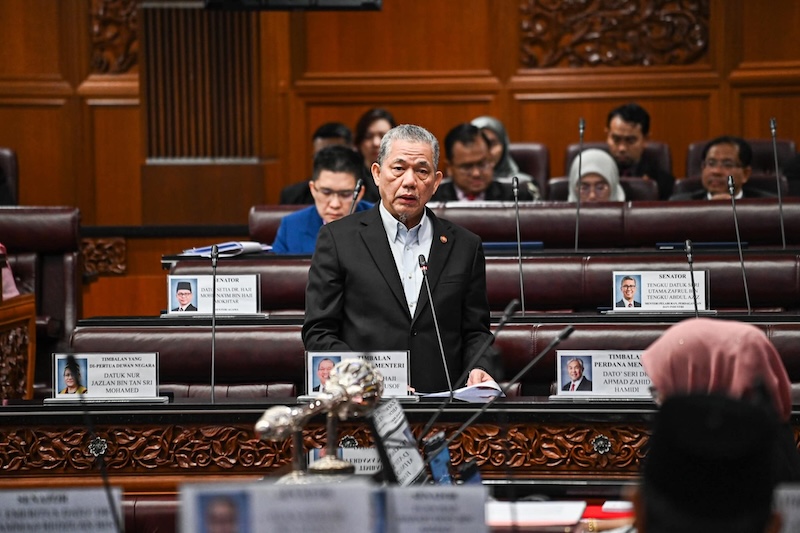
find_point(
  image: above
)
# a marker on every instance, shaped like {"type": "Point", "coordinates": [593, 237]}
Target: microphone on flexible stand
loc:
{"type": "Point", "coordinates": [562, 335]}
{"type": "Point", "coordinates": [423, 265]}
{"type": "Point", "coordinates": [689, 260]}
{"type": "Point", "coordinates": [773, 128]}
{"type": "Point", "coordinates": [731, 190]}
{"type": "Point", "coordinates": [100, 458]}
{"type": "Point", "coordinates": [359, 185]}
{"type": "Point", "coordinates": [508, 312]}
{"type": "Point", "coordinates": [581, 128]}
{"type": "Point", "coordinates": [214, 259]}
{"type": "Point", "coordinates": [515, 186]}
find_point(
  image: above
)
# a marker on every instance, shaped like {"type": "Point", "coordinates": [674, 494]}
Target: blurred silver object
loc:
{"type": "Point", "coordinates": [353, 389]}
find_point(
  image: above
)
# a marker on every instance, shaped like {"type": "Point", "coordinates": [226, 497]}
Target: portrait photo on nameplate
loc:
{"type": "Point", "coordinates": [661, 290]}
{"type": "Point", "coordinates": [105, 376]}
{"type": "Point", "coordinates": [601, 373]}
{"type": "Point", "coordinates": [233, 295]}
{"type": "Point", "coordinates": [393, 366]}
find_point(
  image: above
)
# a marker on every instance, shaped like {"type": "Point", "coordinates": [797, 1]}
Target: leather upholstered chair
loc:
{"type": "Point", "coordinates": [9, 177]}
{"type": "Point", "coordinates": [533, 159]}
{"type": "Point", "coordinates": [655, 150]}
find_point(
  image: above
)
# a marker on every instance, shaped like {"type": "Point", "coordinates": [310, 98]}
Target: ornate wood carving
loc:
{"type": "Point", "coordinates": [115, 36]}
{"type": "Point", "coordinates": [104, 256]}
{"type": "Point", "coordinates": [14, 361]}
{"type": "Point", "coordinates": [551, 450]}
{"type": "Point", "coordinates": [615, 33]}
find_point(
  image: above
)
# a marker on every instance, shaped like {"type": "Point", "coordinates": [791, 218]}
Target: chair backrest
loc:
{"type": "Point", "coordinates": [763, 156]}
{"type": "Point", "coordinates": [9, 177]}
{"type": "Point", "coordinates": [635, 189]}
{"type": "Point", "coordinates": [533, 159]}
{"type": "Point", "coordinates": [762, 182]}
{"type": "Point", "coordinates": [654, 150]}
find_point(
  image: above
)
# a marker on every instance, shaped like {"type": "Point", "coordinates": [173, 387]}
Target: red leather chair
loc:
{"type": "Point", "coordinates": [763, 156]}
{"type": "Point", "coordinates": [656, 150]}
{"type": "Point", "coordinates": [533, 159]}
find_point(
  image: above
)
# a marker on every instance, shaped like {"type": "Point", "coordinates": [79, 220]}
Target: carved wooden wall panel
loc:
{"type": "Point", "coordinates": [769, 35]}
{"type": "Point", "coordinates": [621, 33]}
{"type": "Point", "coordinates": [104, 256]}
{"type": "Point", "coordinates": [14, 341]}
{"type": "Point", "coordinates": [115, 36]}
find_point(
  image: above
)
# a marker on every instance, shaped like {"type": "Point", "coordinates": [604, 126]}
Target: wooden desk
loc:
{"type": "Point", "coordinates": [17, 347]}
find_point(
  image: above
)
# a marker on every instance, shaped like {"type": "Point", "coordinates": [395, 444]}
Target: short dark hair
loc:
{"type": "Point", "coordinates": [333, 130]}
{"type": "Point", "coordinates": [633, 113]}
{"type": "Point", "coordinates": [366, 120]}
{"type": "Point", "coordinates": [626, 278]}
{"type": "Point", "coordinates": [338, 158]}
{"type": "Point", "coordinates": [745, 151]}
{"type": "Point", "coordinates": [465, 133]}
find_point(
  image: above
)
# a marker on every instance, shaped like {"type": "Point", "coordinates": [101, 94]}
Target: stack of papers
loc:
{"type": "Point", "coordinates": [480, 393]}
{"type": "Point", "coordinates": [229, 249]}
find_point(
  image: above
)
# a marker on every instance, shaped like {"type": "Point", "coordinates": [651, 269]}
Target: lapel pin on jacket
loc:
{"type": "Point", "coordinates": [443, 239]}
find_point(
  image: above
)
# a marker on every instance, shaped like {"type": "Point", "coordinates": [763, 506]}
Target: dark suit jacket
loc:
{"type": "Point", "coordinates": [355, 299]}
{"type": "Point", "coordinates": [297, 233]}
{"type": "Point", "coordinates": [649, 168]}
{"type": "Point", "coordinates": [189, 307]}
{"type": "Point", "coordinates": [584, 385]}
{"type": "Point", "coordinates": [701, 194]}
{"type": "Point", "coordinates": [496, 192]}
{"type": "Point", "coordinates": [621, 303]}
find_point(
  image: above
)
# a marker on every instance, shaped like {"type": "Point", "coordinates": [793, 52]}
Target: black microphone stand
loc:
{"type": "Point", "coordinates": [691, 275]}
{"type": "Point", "coordinates": [581, 128]}
{"type": "Point", "coordinates": [773, 129]}
{"type": "Point", "coordinates": [423, 265]}
{"type": "Point", "coordinates": [214, 259]}
{"type": "Point", "coordinates": [359, 184]}
{"type": "Point", "coordinates": [515, 185]}
{"type": "Point", "coordinates": [739, 244]}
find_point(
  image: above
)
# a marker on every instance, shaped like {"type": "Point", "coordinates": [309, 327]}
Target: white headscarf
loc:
{"type": "Point", "coordinates": [596, 161]}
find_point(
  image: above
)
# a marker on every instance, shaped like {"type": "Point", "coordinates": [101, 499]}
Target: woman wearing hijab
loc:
{"type": "Point", "coordinates": [705, 355]}
{"type": "Point", "coordinates": [505, 168]}
{"type": "Point", "coordinates": [599, 179]}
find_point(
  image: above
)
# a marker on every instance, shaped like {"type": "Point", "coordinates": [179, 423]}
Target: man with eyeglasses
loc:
{"type": "Point", "coordinates": [722, 157]}
{"type": "Point", "coordinates": [628, 290]}
{"type": "Point", "coordinates": [471, 170]}
{"type": "Point", "coordinates": [333, 183]}
{"type": "Point", "coordinates": [627, 131]}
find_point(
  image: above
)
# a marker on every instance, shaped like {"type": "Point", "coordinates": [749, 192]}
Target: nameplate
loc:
{"type": "Point", "coordinates": [263, 507]}
{"type": "Point", "coordinates": [84, 510]}
{"type": "Point", "coordinates": [439, 508]}
{"type": "Point", "coordinates": [367, 461]}
{"type": "Point", "coordinates": [234, 294]}
{"type": "Point", "coordinates": [610, 373]}
{"type": "Point", "coordinates": [668, 290]}
{"type": "Point", "coordinates": [393, 366]}
{"type": "Point", "coordinates": [393, 433]}
{"type": "Point", "coordinates": [107, 376]}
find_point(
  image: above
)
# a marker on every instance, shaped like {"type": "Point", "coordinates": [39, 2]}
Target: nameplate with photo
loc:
{"type": "Point", "coordinates": [601, 373]}
{"type": "Point", "coordinates": [393, 366]}
{"type": "Point", "coordinates": [662, 290]}
{"type": "Point", "coordinates": [105, 376]}
{"type": "Point", "coordinates": [198, 295]}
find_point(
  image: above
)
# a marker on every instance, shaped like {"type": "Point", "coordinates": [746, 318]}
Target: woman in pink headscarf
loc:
{"type": "Point", "coordinates": [724, 357]}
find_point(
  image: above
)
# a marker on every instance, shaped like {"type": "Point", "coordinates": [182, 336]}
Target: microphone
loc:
{"type": "Point", "coordinates": [773, 129]}
{"type": "Point", "coordinates": [508, 312]}
{"type": "Point", "coordinates": [359, 185]}
{"type": "Point", "coordinates": [739, 244]}
{"type": "Point", "coordinates": [100, 458]}
{"type": "Point", "coordinates": [423, 265]}
{"type": "Point", "coordinates": [581, 128]}
{"type": "Point", "coordinates": [691, 275]}
{"type": "Point", "coordinates": [214, 259]}
{"type": "Point", "coordinates": [562, 335]}
{"type": "Point", "coordinates": [515, 187]}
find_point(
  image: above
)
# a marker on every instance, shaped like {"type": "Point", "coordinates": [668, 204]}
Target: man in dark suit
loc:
{"type": "Point", "coordinates": [722, 157]}
{"type": "Point", "coordinates": [471, 170]}
{"type": "Point", "coordinates": [628, 290]}
{"type": "Point", "coordinates": [627, 133]}
{"type": "Point", "coordinates": [577, 381]}
{"type": "Point", "coordinates": [183, 293]}
{"type": "Point", "coordinates": [365, 287]}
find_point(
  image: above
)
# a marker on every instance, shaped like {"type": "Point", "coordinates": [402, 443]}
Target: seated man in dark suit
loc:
{"type": "Point", "coordinates": [332, 186]}
{"type": "Point", "coordinates": [329, 134]}
{"type": "Point", "coordinates": [365, 285]}
{"type": "Point", "coordinates": [627, 131]}
{"type": "Point", "coordinates": [628, 290]}
{"type": "Point", "coordinates": [722, 157]}
{"type": "Point", "coordinates": [471, 169]}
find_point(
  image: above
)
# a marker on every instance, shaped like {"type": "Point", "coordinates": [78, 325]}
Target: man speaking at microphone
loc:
{"type": "Point", "coordinates": [365, 286]}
